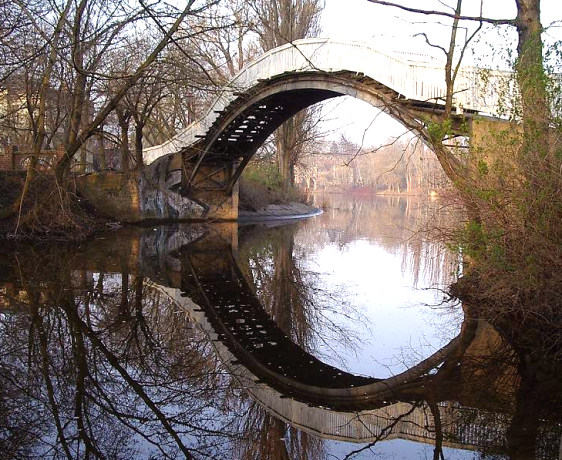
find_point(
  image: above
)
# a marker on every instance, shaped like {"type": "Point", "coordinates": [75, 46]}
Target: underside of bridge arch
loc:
{"type": "Point", "coordinates": [234, 316]}
{"type": "Point", "coordinates": [207, 171]}
{"type": "Point", "coordinates": [248, 121]}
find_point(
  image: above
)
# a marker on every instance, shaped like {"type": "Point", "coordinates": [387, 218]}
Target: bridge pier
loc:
{"type": "Point", "coordinates": [155, 193]}
{"type": "Point", "coordinates": [494, 145]}
{"type": "Point", "coordinates": [210, 188]}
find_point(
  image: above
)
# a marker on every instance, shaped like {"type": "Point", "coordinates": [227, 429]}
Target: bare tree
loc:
{"type": "Point", "coordinates": [190, 74]}
{"type": "Point", "coordinates": [77, 135]}
{"type": "Point", "coordinates": [226, 42]}
{"type": "Point", "coordinates": [75, 44]}
{"type": "Point", "coordinates": [529, 67]}
{"type": "Point", "coordinates": [277, 23]}
{"type": "Point", "coordinates": [513, 190]}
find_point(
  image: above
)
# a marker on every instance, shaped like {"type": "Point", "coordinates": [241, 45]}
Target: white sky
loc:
{"type": "Point", "coordinates": [362, 20]}
{"type": "Point", "coordinates": [394, 29]}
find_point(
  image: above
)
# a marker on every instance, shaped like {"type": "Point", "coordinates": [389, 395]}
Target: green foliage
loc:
{"type": "Point", "coordinates": [483, 245]}
{"type": "Point", "coordinates": [482, 167]}
{"type": "Point", "coordinates": [471, 239]}
{"type": "Point", "coordinates": [486, 196]}
{"type": "Point", "coordinates": [261, 184]}
{"type": "Point", "coordinates": [438, 131]}
{"type": "Point", "coordinates": [514, 242]}
{"type": "Point", "coordinates": [264, 173]}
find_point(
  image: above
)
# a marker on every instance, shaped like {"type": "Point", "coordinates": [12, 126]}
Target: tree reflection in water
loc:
{"type": "Point", "coordinates": [108, 370]}
{"type": "Point", "coordinates": [99, 360]}
{"type": "Point", "coordinates": [398, 224]}
{"type": "Point", "coordinates": [291, 293]}
{"type": "Point", "coordinates": [287, 292]}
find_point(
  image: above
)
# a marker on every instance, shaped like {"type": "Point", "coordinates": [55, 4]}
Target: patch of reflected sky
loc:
{"type": "Point", "coordinates": [377, 285]}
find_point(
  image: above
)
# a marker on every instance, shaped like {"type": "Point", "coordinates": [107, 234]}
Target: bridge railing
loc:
{"type": "Point", "coordinates": [422, 81]}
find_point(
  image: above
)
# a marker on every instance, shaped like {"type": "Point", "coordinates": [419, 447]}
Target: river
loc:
{"type": "Point", "coordinates": [331, 337]}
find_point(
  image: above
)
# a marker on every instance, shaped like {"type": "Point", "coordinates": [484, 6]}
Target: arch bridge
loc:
{"type": "Point", "coordinates": [195, 174]}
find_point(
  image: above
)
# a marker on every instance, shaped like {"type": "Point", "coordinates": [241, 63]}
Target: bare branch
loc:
{"type": "Point", "coordinates": [424, 35]}
{"type": "Point", "coordinates": [511, 22]}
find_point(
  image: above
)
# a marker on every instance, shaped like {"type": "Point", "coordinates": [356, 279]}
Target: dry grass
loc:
{"type": "Point", "coordinates": [50, 211]}
{"type": "Point", "coordinates": [256, 196]}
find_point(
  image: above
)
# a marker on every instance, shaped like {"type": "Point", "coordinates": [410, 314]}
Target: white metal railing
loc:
{"type": "Point", "coordinates": [423, 81]}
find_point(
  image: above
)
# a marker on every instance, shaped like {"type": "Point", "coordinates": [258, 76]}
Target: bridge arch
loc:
{"type": "Point", "coordinates": [245, 124]}
{"type": "Point", "coordinates": [415, 80]}
{"type": "Point", "coordinates": [204, 161]}
{"type": "Point", "coordinates": [214, 290]}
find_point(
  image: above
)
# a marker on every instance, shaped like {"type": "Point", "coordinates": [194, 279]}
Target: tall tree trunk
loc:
{"type": "Point", "coordinates": [39, 125]}
{"type": "Point", "coordinates": [71, 149]}
{"type": "Point", "coordinates": [531, 79]}
{"type": "Point", "coordinates": [139, 126]}
{"type": "Point", "coordinates": [79, 94]}
{"type": "Point", "coordinates": [124, 119]}
{"type": "Point", "coordinates": [284, 140]}
{"type": "Point", "coordinates": [101, 153]}
{"type": "Point", "coordinates": [279, 22]}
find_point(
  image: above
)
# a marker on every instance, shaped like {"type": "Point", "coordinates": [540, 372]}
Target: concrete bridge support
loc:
{"type": "Point", "coordinates": [155, 193]}
{"type": "Point", "coordinates": [494, 145]}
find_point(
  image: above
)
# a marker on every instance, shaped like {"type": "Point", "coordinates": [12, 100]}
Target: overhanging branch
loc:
{"type": "Point", "coordinates": [445, 14]}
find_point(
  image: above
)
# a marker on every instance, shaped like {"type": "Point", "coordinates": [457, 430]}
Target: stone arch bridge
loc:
{"type": "Point", "coordinates": [195, 174]}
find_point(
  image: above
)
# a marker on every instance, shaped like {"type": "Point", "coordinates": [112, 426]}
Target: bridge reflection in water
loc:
{"type": "Point", "coordinates": [471, 394]}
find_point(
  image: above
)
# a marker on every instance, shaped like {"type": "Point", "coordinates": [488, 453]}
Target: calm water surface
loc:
{"type": "Point", "coordinates": [328, 338]}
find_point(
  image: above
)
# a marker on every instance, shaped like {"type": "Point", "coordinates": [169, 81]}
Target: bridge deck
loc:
{"type": "Point", "coordinates": [419, 82]}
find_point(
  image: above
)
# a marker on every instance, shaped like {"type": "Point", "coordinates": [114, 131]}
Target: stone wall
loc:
{"type": "Point", "coordinates": [494, 145]}
{"type": "Point", "coordinates": [7, 159]}
{"type": "Point", "coordinates": [141, 196]}
{"type": "Point", "coordinates": [13, 159]}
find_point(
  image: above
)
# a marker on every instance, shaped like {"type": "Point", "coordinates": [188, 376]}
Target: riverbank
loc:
{"type": "Point", "coordinates": [292, 210]}
{"type": "Point", "coordinates": [48, 211]}
{"type": "Point", "coordinates": [89, 222]}
{"type": "Point", "coordinates": [51, 212]}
